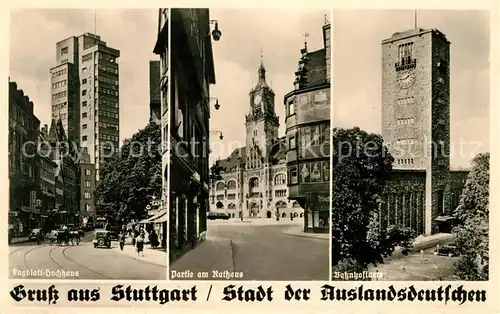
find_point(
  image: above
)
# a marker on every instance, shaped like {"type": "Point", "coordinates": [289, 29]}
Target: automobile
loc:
{"type": "Point", "coordinates": [102, 239]}
{"type": "Point", "coordinates": [218, 215]}
{"type": "Point", "coordinates": [447, 250]}
{"type": "Point", "coordinates": [36, 235]}
{"type": "Point", "coordinates": [114, 231]}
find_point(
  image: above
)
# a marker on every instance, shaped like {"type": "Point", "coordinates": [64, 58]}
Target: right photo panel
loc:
{"type": "Point", "coordinates": [410, 169]}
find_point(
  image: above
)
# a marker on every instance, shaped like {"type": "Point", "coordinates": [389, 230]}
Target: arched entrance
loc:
{"type": "Point", "coordinates": [254, 209]}
{"type": "Point", "coordinates": [268, 215]}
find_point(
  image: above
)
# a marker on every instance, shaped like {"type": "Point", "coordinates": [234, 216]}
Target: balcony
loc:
{"type": "Point", "coordinates": [405, 64]}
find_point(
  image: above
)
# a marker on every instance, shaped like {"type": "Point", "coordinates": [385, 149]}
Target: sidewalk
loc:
{"type": "Point", "coordinates": [212, 254]}
{"type": "Point", "coordinates": [151, 256]}
{"type": "Point", "coordinates": [258, 221]}
{"type": "Point", "coordinates": [298, 231]}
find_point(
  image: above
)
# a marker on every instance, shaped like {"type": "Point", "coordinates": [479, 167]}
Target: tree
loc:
{"type": "Point", "coordinates": [472, 230]}
{"type": "Point", "coordinates": [361, 166]}
{"type": "Point", "coordinates": [130, 179]}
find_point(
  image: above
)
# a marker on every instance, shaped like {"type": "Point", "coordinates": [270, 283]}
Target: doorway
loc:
{"type": "Point", "coordinates": [268, 214]}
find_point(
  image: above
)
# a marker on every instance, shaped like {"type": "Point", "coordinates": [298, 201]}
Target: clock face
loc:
{"type": "Point", "coordinates": [257, 99]}
{"type": "Point", "coordinates": [406, 78]}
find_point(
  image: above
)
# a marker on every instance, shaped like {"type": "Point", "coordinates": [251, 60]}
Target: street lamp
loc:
{"type": "Point", "coordinates": [209, 99]}
{"type": "Point", "coordinates": [218, 132]}
{"type": "Point", "coordinates": [216, 33]}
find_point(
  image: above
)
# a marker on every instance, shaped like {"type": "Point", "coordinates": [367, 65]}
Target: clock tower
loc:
{"type": "Point", "coordinates": [261, 122]}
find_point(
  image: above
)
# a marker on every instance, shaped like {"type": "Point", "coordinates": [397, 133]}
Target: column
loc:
{"type": "Point", "coordinates": [177, 200]}
{"type": "Point", "coordinates": [186, 212]}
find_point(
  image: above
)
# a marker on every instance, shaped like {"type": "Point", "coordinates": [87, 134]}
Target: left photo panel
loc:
{"type": "Point", "coordinates": [87, 195]}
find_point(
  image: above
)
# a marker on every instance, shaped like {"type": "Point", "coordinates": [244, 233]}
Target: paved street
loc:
{"type": "Point", "coordinates": [412, 267]}
{"type": "Point", "coordinates": [260, 250]}
{"type": "Point", "coordinates": [83, 261]}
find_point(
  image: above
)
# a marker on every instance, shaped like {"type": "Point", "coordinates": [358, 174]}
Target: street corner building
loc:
{"type": "Point", "coordinates": [307, 122]}
{"type": "Point", "coordinates": [252, 179]}
{"type": "Point", "coordinates": [43, 172]}
{"type": "Point", "coordinates": [422, 190]}
{"type": "Point", "coordinates": [191, 73]}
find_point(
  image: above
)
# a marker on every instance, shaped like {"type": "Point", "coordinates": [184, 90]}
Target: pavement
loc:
{"type": "Point", "coordinates": [83, 261]}
{"type": "Point", "coordinates": [417, 265]}
{"type": "Point", "coordinates": [258, 249]}
{"type": "Point", "coordinates": [152, 256]}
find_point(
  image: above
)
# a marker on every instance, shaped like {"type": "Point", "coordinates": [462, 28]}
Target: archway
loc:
{"type": "Point", "coordinates": [254, 209]}
{"type": "Point", "coordinates": [283, 215]}
{"type": "Point", "coordinates": [268, 215]}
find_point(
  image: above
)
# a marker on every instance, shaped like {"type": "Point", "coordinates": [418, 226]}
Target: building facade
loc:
{"type": "Point", "coordinates": [155, 73]}
{"type": "Point", "coordinates": [188, 103]}
{"type": "Point", "coordinates": [422, 192]}
{"type": "Point", "coordinates": [85, 95]}
{"type": "Point", "coordinates": [24, 177]}
{"type": "Point", "coordinates": [87, 187]}
{"type": "Point", "coordinates": [307, 122]}
{"type": "Point", "coordinates": [253, 179]}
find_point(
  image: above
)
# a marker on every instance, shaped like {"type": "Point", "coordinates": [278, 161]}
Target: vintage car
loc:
{"type": "Point", "coordinates": [102, 239]}
{"type": "Point", "coordinates": [214, 215]}
{"type": "Point", "coordinates": [36, 235]}
{"type": "Point", "coordinates": [447, 250]}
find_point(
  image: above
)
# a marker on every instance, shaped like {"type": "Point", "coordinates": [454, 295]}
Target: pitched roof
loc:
{"type": "Point", "coordinates": [277, 155]}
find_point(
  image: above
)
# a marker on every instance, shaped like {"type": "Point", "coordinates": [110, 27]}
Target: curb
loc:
{"type": "Point", "coordinates": [304, 236]}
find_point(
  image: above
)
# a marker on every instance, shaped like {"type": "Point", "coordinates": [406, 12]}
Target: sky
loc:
{"type": "Point", "coordinates": [357, 70]}
{"type": "Point", "coordinates": [279, 33]}
{"type": "Point", "coordinates": [35, 32]}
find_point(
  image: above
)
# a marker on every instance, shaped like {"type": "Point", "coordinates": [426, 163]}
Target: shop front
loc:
{"type": "Point", "coordinates": [317, 213]}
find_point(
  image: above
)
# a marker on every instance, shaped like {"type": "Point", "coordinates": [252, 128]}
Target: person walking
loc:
{"type": "Point", "coordinates": [122, 240]}
{"type": "Point", "coordinates": [153, 238]}
{"type": "Point", "coordinates": [139, 243]}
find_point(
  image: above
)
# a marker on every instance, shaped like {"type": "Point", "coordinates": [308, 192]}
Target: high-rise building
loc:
{"type": "Point", "coordinates": [85, 95]}
{"type": "Point", "coordinates": [422, 192]}
{"type": "Point", "coordinates": [307, 121]}
{"type": "Point", "coordinates": [154, 91]}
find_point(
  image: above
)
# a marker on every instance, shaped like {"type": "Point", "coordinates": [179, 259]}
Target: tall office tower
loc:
{"type": "Point", "coordinates": [416, 112]}
{"type": "Point", "coordinates": [85, 95]}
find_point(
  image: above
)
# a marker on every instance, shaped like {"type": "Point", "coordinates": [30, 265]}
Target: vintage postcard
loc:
{"type": "Point", "coordinates": [327, 156]}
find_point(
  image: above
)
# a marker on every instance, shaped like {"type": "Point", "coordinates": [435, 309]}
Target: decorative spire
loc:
{"type": "Point", "coordinates": [262, 69]}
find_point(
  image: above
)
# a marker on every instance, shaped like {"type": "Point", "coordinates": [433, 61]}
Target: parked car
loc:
{"type": "Point", "coordinates": [36, 235]}
{"type": "Point", "coordinates": [447, 250]}
{"type": "Point", "coordinates": [218, 215]}
{"type": "Point", "coordinates": [102, 239]}
{"type": "Point", "coordinates": [114, 231]}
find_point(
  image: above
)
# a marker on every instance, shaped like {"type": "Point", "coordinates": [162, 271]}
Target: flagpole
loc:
{"type": "Point", "coordinates": [415, 18]}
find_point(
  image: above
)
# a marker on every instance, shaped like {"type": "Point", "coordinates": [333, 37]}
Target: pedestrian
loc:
{"type": "Point", "coordinates": [153, 238]}
{"type": "Point", "coordinates": [122, 240]}
{"type": "Point", "coordinates": [139, 243]}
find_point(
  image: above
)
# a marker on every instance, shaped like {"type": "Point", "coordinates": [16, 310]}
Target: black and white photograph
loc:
{"type": "Point", "coordinates": [249, 172]}
{"type": "Point", "coordinates": [85, 154]}
{"type": "Point", "coordinates": [410, 137]}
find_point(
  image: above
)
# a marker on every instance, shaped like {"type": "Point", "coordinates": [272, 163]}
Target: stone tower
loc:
{"type": "Point", "coordinates": [416, 110]}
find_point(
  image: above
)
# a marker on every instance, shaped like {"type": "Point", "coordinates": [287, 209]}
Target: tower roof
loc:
{"type": "Point", "coordinates": [261, 83]}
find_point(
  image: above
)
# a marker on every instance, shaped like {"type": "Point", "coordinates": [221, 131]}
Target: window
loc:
{"type": "Point", "coordinates": [405, 53]}
{"type": "Point", "coordinates": [87, 207]}
{"type": "Point", "coordinates": [84, 138]}
{"type": "Point", "coordinates": [291, 142]}
{"type": "Point", "coordinates": [84, 127]}
{"type": "Point", "coordinates": [84, 103]}
{"type": "Point", "coordinates": [64, 51]}
{"type": "Point", "coordinates": [279, 179]}
{"type": "Point", "coordinates": [291, 108]}
{"type": "Point", "coordinates": [280, 193]}
{"type": "Point", "coordinates": [253, 183]}
{"type": "Point", "coordinates": [294, 178]}
{"type": "Point", "coordinates": [84, 115]}
{"type": "Point", "coordinates": [84, 92]}
{"type": "Point", "coordinates": [84, 81]}
{"type": "Point", "coordinates": [231, 185]}
{"type": "Point", "coordinates": [86, 195]}
{"type": "Point", "coordinates": [220, 186]}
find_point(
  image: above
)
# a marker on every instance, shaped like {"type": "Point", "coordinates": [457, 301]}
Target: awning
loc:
{"type": "Point", "coordinates": [154, 217]}
{"type": "Point", "coordinates": [444, 218]}
{"type": "Point", "coordinates": [161, 219]}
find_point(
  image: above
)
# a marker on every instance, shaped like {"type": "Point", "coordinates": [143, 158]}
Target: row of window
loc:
{"type": "Point", "coordinates": [318, 171]}
{"type": "Point", "coordinates": [59, 106]}
{"type": "Point", "coordinates": [59, 73]}
{"type": "Point", "coordinates": [108, 80]}
{"type": "Point", "coordinates": [405, 100]}
{"type": "Point", "coordinates": [87, 57]}
{"type": "Point", "coordinates": [405, 51]}
{"type": "Point", "coordinates": [87, 195]}
{"type": "Point", "coordinates": [60, 84]}
{"type": "Point", "coordinates": [405, 161]}
{"type": "Point", "coordinates": [108, 137]}
{"type": "Point", "coordinates": [110, 114]}
{"type": "Point", "coordinates": [406, 121]}
{"type": "Point", "coordinates": [108, 125]}
{"type": "Point", "coordinates": [108, 91]}
{"type": "Point", "coordinates": [108, 69]}
{"type": "Point", "coordinates": [280, 193]}
{"type": "Point", "coordinates": [59, 95]}
{"type": "Point", "coordinates": [110, 103]}
{"type": "Point", "coordinates": [106, 57]}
